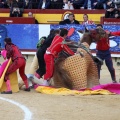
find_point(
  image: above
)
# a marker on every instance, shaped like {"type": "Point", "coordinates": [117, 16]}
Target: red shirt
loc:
{"type": "Point", "coordinates": [103, 44]}
{"type": "Point", "coordinates": [57, 46]}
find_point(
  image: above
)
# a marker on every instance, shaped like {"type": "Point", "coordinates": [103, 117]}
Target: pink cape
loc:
{"type": "Point", "coordinates": [112, 87]}
{"type": "Point", "coordinates": [2, 67]}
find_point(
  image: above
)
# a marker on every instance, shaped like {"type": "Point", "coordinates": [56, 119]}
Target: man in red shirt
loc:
{"type": "Point", "coordinates": [52, 52]}
{"type": "Point", "coordinates": [103, 52]}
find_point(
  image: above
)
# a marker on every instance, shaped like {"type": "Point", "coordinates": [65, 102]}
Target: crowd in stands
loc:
{"type": "Point", "coordinates": [59, 4]}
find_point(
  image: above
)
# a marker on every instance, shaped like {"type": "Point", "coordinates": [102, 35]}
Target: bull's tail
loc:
{"type": "Point", "coordinates": [61, 75]}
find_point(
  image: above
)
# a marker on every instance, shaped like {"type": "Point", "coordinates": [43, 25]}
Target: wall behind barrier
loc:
{"type": "Point", "coordinates": [53, 16]}
{"type": "Point", "coordinates": [26, 36]}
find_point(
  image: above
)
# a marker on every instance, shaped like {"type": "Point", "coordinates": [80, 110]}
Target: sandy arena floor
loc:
{"type": "Point", "coordinates": [36, 106]}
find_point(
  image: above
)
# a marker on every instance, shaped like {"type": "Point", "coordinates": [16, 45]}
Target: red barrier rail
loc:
{"type": "Point", "coordinates": [110, 21]}
{"type": "Point", "coordinates": [17, 20]}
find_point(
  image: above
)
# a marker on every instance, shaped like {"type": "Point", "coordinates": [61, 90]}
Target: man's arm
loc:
{"type": "Point", "coordinates": [117, 33]}
{"type": "Point", "coordinates": [107, 14]}
{"type": "Point", "coordinates": [67, 49]}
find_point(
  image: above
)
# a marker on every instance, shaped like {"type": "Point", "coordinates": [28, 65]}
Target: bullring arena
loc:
{"type": "Point", "coordinates": [36, 106]}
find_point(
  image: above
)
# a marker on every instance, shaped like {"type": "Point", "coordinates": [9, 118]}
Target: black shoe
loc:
{"type": "Point", "coordinates": [33, 85]}
{"type": "Point", "coordinates": [114, 81]}
{"type": "Point", "coordinates": [6, 92]}
{"type": "Point", "coordinates": [27, 89]}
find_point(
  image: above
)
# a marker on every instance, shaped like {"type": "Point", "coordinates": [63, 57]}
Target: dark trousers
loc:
{"type": "Point", "coordinates": [106, 55]}
{"type": "Point", "coordinates": [41, 62]}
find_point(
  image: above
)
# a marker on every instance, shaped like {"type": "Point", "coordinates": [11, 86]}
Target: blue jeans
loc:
{"type": "Point", "coordinates": [106, 55]}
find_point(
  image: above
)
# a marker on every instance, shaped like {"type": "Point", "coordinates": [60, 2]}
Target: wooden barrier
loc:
{"type": "Point", "coordinates": [17, 20]}
{"type": "Point", "coordinates": [53, 16]}
{"type": "Point", "coordinates": [110, 21]}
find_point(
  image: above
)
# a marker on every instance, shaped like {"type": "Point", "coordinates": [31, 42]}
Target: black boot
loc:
{"type": "Point", "coordinates": [114, 81]}
{"type": "Point", "coordinates": [6, 92]}
{"type": "Point", "coordinates": [27, 89]}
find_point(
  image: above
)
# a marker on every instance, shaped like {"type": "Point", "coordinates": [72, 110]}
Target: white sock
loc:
{"type": "Point", "coordinates": [45, 83]}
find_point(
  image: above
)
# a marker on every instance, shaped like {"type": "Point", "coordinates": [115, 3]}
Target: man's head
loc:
{"type": "Point", "coordinates": [63, 32]}
{"type": "Point", "coordinates": [85, 17]}
{"type": "Point", "coordinates": [30, 14]}
{"type": "Point", "coordinates": [99, 26]}
{"type": "Point", "coordinates": [7, 40]}
{"type": "Point", "coordinates": [71, 17]}
{"type": "Point", "coordinates": [101, 31]}
{"type": "Point", "coordinates": [15, 8]}
{"type": "Point", "coordinates": [54, 32]}
{"type": "Point", "coordinates": [112, 6]}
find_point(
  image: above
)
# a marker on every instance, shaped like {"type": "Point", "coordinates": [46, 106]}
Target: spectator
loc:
{"type": "Point", "coordinates": [87, 5]}
{"type": "Point", "coordinates": [77, 3]}
{"type": "Point", "coordinates": [67, 5]}
{"type": "Point", "coordinates": [44, 4]}
{"type": "Point", "coordinates": [30, 14]}
{"type": "Point", "coordinates": [98, 4]}
{"type": "Point", "coordinates": [112, 12]}
{"type": "Point", "coordinates": [34, 4]}
{"type": "Point", "coordinates": [108, 3]}
{"type": "Point", "coordinates": [16, 12]}
{"type": "Point", "coordinates": [2, 3]}
{"type": "Point", "coordinates": [19, 3]}
{"type": "Point", "coordinates": [70, 20]}
{"type": "Point", "coordinates": [93, 4]}
{"type": "Point", "coordinates": [27, 4]}
{"type": "Point", "coordinates": [8, 3]}
{"type": "Point", "coordinates": [86, 21]}
{"type": "Point", "coordinates": [56, 4]}
{"type": "Point", "coordinates": [117, 3]}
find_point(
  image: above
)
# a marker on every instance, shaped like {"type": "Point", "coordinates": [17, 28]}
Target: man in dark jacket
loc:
{"type": "Point", "coordinates": [70, 20]}
{"type": "Point", "coordinates": [41, 51]}
{"type": "Point", "coordinates": [112, 12]}
{"type": "Point", "coordinates": [44, 4]}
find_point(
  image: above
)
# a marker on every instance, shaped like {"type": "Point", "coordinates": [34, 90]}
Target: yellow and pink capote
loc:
{"type": "Point", "coordinates": [13, 77]}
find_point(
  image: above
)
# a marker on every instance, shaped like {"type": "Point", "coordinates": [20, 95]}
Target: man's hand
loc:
{"type": "Point", "coordinates": [108, 32]}
{"type": "Point", "coordinates": [94, 3]}
{"type": "Point", "coordinates": [110, 10]}
{"type": "Point", "coordinates": [108, 3]}
{"type": "Point", "coordinates": [116, 15]}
